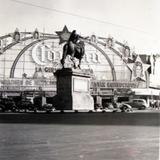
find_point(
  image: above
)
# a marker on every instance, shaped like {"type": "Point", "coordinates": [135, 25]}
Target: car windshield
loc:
{"type": "Point", "coordinates": [138, 101]}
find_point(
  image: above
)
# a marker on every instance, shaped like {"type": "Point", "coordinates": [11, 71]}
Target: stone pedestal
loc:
{"type": "Point", "coordinates": [73, 90]}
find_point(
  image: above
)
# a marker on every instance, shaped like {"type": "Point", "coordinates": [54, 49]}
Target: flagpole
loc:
{"type": "Point", "coordinates": [24, 54]}
{"type": "Point", "coordinates": [4, 68]}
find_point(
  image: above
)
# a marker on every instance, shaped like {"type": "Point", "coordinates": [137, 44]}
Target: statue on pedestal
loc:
{"type": "Point", "coordinates": [75, 48]}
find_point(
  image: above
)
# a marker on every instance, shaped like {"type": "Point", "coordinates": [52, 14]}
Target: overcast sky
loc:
{"type": "Point", "coordinates": [135, 21]}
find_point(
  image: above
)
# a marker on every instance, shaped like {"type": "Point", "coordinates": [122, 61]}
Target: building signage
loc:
{"type": "Point", "coordinates": [121, 85]}
{"type": "Point", "coordinates": [22, 84]}
{"type": "Point", "coordinates": [44, 54]}
{"type": "Point", "coordinates": [45, 69]}
{"type": "Point", "coordinates": [96, 91]}
{"type": "Point", "coordinates": [80, 85]}
{"type": "Point", "coordinates": [9, 82]}
{"type": "Point", "coordinates": [138, 69]}
{"type": "Point", "coordinates": [105, 84]}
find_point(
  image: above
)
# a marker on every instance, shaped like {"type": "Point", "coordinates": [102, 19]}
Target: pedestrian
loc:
{"type": "Point", "coordinates": [157, 104]}
{"type": "Point", "coordinates": [152, 103]}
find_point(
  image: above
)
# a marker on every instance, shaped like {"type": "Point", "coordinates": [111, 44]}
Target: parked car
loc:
{"type": "Point", "coordinates": [2, 107]}
{"type": "Point", "coordinates": [7, 104]}
{"type": "Point", "coordinates": [25, 105]}
{"type": "Point", "coordinates": [124, 107]}
{"type": "Point", "coordinates": [48, 108]}
{"type": "Point", "coordinates": [98, 107]}
{"type": "Point", "coordinates": [38, 106]}
{"type": "Point", "coordinates": [140, 104]}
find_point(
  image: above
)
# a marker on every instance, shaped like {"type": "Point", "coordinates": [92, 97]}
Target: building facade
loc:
{"type": "Point", "coordinates": [28, 61]}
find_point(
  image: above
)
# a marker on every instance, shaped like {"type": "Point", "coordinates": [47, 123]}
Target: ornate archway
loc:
{"type": "Point", "coordinates": [22, 52]}
{"type": "Point", "coordinates": [55, 37]}
{"type": "Point", "coordinates": [52, 36]}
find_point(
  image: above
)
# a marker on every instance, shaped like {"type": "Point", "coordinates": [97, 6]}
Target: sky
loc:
{"type": "Point", "coordinates": [134, 21]}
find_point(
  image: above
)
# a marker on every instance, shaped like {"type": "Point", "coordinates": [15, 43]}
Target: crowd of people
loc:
{"type": "Point", "coordinates": [155, 104]}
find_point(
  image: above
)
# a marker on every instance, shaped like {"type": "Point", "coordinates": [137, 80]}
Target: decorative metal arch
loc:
{"type": "Point", "coordinates": [39, 40]}
{"type": "Point", "coordinates": [108, 59]}
{"type": "Point", "coordinates": [117, 53]}
{"type": "Point", "coordinates": [21, 53]}
{"type": "Point", "coordinates": [43, 35]}
{"type": "Point", "coordinates": [5, 36]}
{"type": "Point", "coordinates": [14, 43]}
{"type": "Point", "coordinates": [10, 35]}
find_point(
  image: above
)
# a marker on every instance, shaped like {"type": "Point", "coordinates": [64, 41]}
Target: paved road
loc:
{"type": "Point", "coordinates": [80, 136]}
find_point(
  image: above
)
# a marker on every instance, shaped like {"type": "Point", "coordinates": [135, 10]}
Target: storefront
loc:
{"type": "Point", "coordinates": [27, 68]}
{"type": "Point", "coordinates": [105, 91]}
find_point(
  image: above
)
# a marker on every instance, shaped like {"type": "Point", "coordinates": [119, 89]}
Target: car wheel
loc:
{"type": "Point", "coordinates": [127, 110]}
{"type": "Point", "coordinates": [143, 108]}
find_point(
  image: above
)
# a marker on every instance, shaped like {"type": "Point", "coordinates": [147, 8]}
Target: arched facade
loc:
{"type": "Point", "coordinates": [25, 59]}
{"type": "Point", "coordinates": [101, 59]}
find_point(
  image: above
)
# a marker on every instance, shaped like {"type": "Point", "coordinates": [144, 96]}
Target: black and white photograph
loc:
{"type": "Point", "coordinates": [79, 80]}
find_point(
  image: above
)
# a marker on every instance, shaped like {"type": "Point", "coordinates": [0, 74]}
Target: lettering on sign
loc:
{"type": "Point", "coordinates": [45, 69]}
{"type": "Point", "coordinates": [80, 85]}
{"type": "Point", "coordinates": [105, 84]}
{"type": "Point", "coordinates": [43, 54]}
{"type": "Point", "coordinates": [121, 85]}
{"type": "Point", "coordinates": [19, 84]}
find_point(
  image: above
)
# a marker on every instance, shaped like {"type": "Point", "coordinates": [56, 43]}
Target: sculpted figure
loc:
{"type": "Point", "coordinates": [75, 48]}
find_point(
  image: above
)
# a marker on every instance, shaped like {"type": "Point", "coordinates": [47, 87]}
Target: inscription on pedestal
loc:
{"type": "Point", "coordinates": [80, 85]}
{"type": "Point", "coordinates": [73, 90]}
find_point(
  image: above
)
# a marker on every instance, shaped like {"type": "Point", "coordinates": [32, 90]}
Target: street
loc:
{"type": "Point", "coordinates": [80, 136]}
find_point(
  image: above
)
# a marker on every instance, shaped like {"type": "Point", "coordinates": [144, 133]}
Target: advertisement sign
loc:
{"type": "Point", "coordinates": [106, 84]}
{"type": "Point", "coordinates": [24, 84]}
{"type": "Point", "coordinates": [80, 85]}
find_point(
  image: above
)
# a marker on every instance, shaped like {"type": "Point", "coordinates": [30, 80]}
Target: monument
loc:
{"type": "Point", "coordinates": [73, 84]}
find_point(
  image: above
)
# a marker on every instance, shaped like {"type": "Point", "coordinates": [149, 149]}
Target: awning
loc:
{"type": "Point", "coordinates": [146, 91]}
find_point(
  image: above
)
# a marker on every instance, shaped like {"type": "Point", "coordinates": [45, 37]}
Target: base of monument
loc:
{"type": "Point", "coordinates": [73, 90]}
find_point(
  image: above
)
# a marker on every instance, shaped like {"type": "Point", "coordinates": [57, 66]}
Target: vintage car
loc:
{"type": "Point", "coordinates": [25, 105]}
{"type": "Point", "coordinates": [124, 107]}
{"type": "Point", "coordinates": [7, 104]}
{"type": "Point", "coordinates": [47, 107]}
{"type": "Point", "coordinates": [140, 104]}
